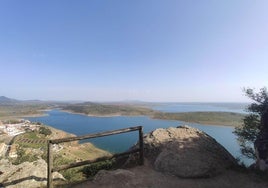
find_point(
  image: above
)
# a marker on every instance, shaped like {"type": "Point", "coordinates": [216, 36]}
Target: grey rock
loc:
{"type": "Point", "coordinates": [186, 152]}
{"type": "Point", "coordinates": [27, 174]}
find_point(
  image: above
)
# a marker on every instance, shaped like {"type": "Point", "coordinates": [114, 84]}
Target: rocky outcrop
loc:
{"type": "Point", "coordinates": [176, 157]}
{"type": "Point", "coordinates": [185, 152]}
{"type": "Point", "coordinates": [27, 174]}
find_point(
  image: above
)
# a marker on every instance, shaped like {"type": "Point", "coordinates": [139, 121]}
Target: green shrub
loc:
{"type": "Point", "coordinates": [92, 170]}
{"type": "Point", "coordinates": [45, 131]}
{"type": "Point", "coordinates": [23, 157]}
{"type": "Point", "coordinates": [72, 175]}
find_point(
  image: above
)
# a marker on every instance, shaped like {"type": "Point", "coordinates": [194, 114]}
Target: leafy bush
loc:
{"type": "Point", "coordinates": [252, 128]}
{"type": "Point", "coordinates": [23, 157]}
{"type": "Point", "coordinates": [45, 131]}
{"type": "Point", "coordinates": [92, 170]}
{"type": "Point", "coordinates": [72, 175]}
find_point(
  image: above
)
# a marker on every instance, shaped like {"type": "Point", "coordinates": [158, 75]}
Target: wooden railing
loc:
{"type": "Point", "coordinates": [51, 169]}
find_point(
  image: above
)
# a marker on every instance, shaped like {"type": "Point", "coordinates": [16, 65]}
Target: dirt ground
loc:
{"type": "Point", "coordinates": [146, 177]}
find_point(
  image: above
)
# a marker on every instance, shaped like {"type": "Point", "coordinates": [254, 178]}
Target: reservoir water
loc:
{"type": "Point", "coordinates": [81, 124]}
{"type": "Point", "coordinates": [200, 107]}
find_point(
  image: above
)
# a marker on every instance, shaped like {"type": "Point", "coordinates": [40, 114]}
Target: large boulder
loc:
{"type": "Point", "coordinates": [27, 174]}
{"type": "Point", "coordinates": [186, 152]}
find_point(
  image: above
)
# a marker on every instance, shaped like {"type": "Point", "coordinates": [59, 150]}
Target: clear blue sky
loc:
{"type": "Point", "coordinates": [146, 50]}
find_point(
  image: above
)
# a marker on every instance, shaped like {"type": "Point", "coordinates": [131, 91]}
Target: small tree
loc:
{"type": "Point", "coordinates": [45, 131]}
{"type": "Point", "coordinates": [254, 129]}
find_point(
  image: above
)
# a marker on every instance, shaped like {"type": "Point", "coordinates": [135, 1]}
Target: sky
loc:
{"type": "Point", "coordinates": [148, 50]}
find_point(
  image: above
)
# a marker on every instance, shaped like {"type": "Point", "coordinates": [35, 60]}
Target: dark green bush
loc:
{"type": "Point", "coordinates": [45, 131]}
{"type": "Point", "coordinates": [92, 170]}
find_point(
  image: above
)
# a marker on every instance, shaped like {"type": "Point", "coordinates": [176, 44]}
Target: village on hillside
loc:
{"type": "Point", "coordinates": [13, 128]}
{"type": "Point", "coordinates": [10, 129]}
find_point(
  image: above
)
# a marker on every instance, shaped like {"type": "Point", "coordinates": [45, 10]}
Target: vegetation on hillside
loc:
{"type": "Point", "coordinates": [12, 108]}
{"type": "Point", "coordinates": [18, 110]}
{"type": "Point", "coordinates": [33, 145]}
{"type": "Point", "coordinates": [45, 131]}
{"type": "Point", "coordinates": [23, 156]}
{"type": "Point", "coordinates": [108, 109]}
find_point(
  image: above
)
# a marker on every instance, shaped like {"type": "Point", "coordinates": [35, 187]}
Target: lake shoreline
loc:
{"type": "Point", "coordinates": [207, 118]}
{"type": "Point", "coordinates": [81, 124]}
{"type": "Point", "coordinates": [151, 117]}
{"type": "Point", "coordinates": [91, 115]}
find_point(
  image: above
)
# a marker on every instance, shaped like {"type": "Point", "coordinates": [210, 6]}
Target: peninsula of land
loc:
{"type": "Point", "coordinates": [207, 118]}
{"type": "Point", "coordinates": [11, 108]}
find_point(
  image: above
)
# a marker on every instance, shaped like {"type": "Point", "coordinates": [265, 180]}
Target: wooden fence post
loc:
{"type": "Point", "coordinates": [141, 146]}
{"type": "Point", "coordinates": [50, 143]}
{"type": "Point", "coordinates": [49, 164]}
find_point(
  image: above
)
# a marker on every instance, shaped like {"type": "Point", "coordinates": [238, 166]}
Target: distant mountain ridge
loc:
{"type": "Point", "coordinates": [6, 100]}
{"type": "Point", "coordinates": [3, 98]}
{"type": "Point", "coordinates": [9, 101]}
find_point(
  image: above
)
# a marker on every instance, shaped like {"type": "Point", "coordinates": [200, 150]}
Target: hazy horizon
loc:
{"type": "Point", "coordinates": [153, 51]}
{"type": "Point", "coordinates": [126, 101]}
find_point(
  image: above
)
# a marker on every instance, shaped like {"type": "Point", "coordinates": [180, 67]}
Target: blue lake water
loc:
{"type": "Point", "coordinates": [200, 107]}
{"type": "Point", "coordinates": [81, 124]}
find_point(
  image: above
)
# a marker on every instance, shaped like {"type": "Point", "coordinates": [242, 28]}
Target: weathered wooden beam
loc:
{"type": "Point", "coordinates": [107, 133]}
{"type": "Point", "coordinates": [72, 165]}
{"type": "Point", "coordinates": [141, 147]}
{"type": "Point", "coordinates": [49, 164]}
{"type": "Point", "coordinates": [50, 168]}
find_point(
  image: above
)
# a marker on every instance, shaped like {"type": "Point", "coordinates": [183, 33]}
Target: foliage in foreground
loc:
{"type": "Point", "coordinates": [92, 170]}
{"type": "Point", "coordinates": [248, 132]}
